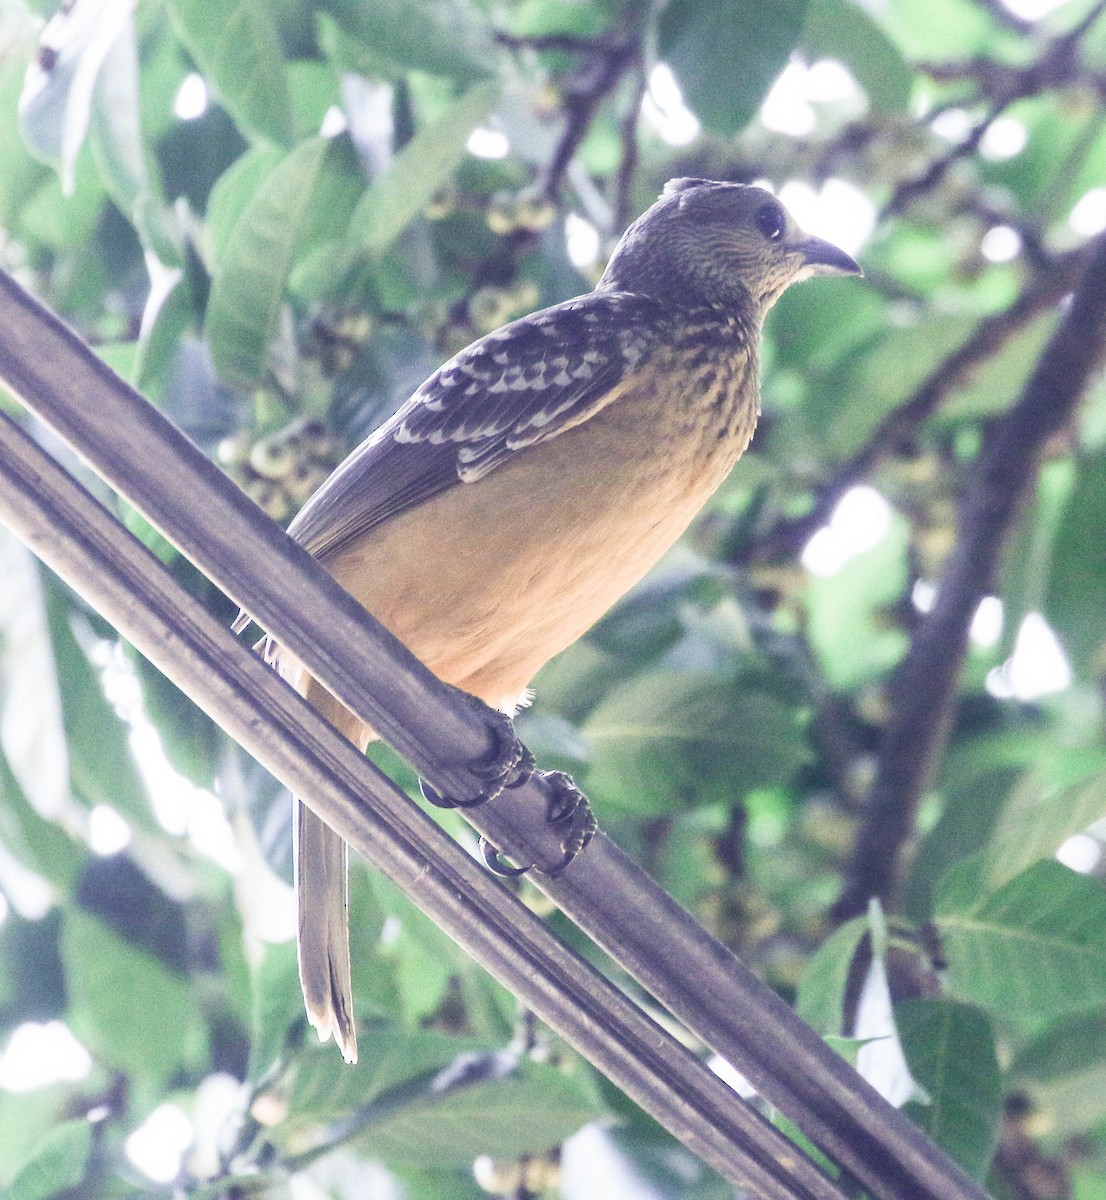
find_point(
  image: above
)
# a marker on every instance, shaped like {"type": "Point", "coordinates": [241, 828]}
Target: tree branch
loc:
{"type": "Point", "coordinates": [922, 694]}
{"type": "Point", "coordinates": [568, 43]}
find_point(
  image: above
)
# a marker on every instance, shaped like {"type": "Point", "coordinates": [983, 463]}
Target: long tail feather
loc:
{"type": "Point", "coordinates": [322, 891]}
{"type": "Point", "coordinates": [323, 929]}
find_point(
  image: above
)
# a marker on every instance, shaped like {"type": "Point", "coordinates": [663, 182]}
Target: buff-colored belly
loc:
{"type": "Point", "coordinates": [488, 581]}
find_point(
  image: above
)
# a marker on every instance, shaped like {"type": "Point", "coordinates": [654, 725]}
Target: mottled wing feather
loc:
{"type": "Point", "coordinates": [377, 481]}
{"type": "Point", "coordinates": [521, 385]}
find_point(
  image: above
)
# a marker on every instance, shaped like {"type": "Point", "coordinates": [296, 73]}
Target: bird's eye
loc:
{"type": "Point", "coordinates": [770, 220]}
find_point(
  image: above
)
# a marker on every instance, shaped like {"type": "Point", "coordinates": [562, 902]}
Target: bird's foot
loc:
{"type": "Point", "coordinates": [569, 814]}
{"type": "Point", "coordinates": [507, 764]}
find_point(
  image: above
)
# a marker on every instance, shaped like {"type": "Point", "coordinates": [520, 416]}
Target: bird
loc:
{"type": "Point", "coordinates": [536, 476]}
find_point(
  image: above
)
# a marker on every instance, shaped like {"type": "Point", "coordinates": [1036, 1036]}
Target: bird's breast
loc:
{"type": "Point", "coordinates": [487, 581]}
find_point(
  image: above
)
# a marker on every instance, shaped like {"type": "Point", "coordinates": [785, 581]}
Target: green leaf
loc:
{"type": "Point", "coordinates": [950, 1048]}
{"type": "Point", "coordinates": [1087, 1181]}
{"type": "Point", "coordinates": [38, 843]}
{"type": "Point", "coordinates": [1059, 140]}
{"type": "Point", "coordinates": [810, 332]}
{"type": "Point", "coordinates": [315, 90]}
{"type": "Point", "coordinates": [168, 323]}
{"type": "Point", "coordinates": [848, 1048]}
{"type": "Point", "coordinates": [1075, 598]}
{"type": "Point", "coordinates": [1037, 818]}
{"type": "Point", "coordinates": [1027, 570]}
{"type": "Point", "coordinates": [101, 767]}
{"type": "Point", "coordinates": [997, 382]}
{"type": "Point", "coordinates": [64, 222]}
{"type": "Point", "coordinates": [57, 1166]}
{"type": "Point", "coordinates": [311, 193]}
{"type": "Point", "coordinates": [874, 379]}
{"type": "Point", "coordinates": [115, 138]}
{"type": "Point", "coordinates": [1053, 797]}
{"type": "Point", "coordinates": [1064, 1047]}
{"type": "Point", "coordinates": [276, 1005]}
{"type": "Point", "coordinates": [441, 37]}
{"type": "Point", "coordinates": [120, 356]}
{"type": "Point", "coordinates": [237, 47]}
{"type": "Point", "coordinates": [125, 1005]}
{"type": "Point", "coordinates": [726, 53]}
{"type": "Point", "coordinates": [843, 30]}
{"type": "Point", "coordinates": [1092, 169]}
{"type": "Point", "coordinates": [1036, 947]}
{"type": "Point", "coordinates": [423, 958]}
{"type": "Point", "coordinates": [927, 28]}
{"type": "Point", "coordinates": [974, 783]}
{"type": "Point", "coordinates": [25, 1117]}
{"type": "Point", "coordinates": [325, 1088]}
{"type": "Point", "coordinates": [538, 18]}
{"type": "Point", "coordinates": [665, 739]}
{"type": "Point", "coordinates": [821, 996]}
{"type": "Point", "coordinates": [852, 637]}
{"type": "Point", "coordinates": [529, 1111]}
{"type": "Point", "coordinates": [420, 170]}
{"type": "Point", "coordinates": [962, 887]}
{"type": "Point", "coordinates": [22, 174]}
{"type": "Point", "coordinates": [233, 190]}
{"type": "Point", "coordinates": [1064, 1070]}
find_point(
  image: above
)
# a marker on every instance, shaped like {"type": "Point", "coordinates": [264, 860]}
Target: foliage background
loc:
{"type": "Point", "coordinates": [277, 219]}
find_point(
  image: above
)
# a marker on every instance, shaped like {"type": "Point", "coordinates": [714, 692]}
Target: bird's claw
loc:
{"type": "Point", "coordinates": [569, 814]}
{"type": "Point", "coordinates": [432, 796]}
{"type": "Point", "coordinates": [507, 764]}
{"type": "Point", "coordinates": [493, 860]}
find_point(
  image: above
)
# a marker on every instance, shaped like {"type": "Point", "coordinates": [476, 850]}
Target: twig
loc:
{"type": "Point", "coordinates": [908, 190]}
{"type": "Point", "coordinates": [566, 42]}
{"type": "Point", "coordinates": [627, 165]}
{"type": "Point", "coordinates": [1057, 64]}
{"type": "Point", "coordinates": [998, 79]}
{"type": "Point", "coordinates": [583, 93]}
{"type": "Point", "coordinates": [922, 694]}
{"type": "Point", "coordinates": [788, 537]}
{"type": "Point", "coordinates": [1084, 25]}
{"type": "Point", "coordinates": [604, 60]}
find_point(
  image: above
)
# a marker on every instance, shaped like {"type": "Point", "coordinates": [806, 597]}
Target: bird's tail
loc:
{"type": "Point", "coordinates": [321, 868]}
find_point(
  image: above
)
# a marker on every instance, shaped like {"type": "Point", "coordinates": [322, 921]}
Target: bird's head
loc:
{"type": "Point", "coordinates": [721, 244]}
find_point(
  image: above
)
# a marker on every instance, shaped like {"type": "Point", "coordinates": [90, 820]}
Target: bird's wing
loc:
{"type": "Point", "coordinates": [519, 386]}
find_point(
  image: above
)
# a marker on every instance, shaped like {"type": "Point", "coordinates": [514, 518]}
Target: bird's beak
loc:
{"type": "Point", "coordinates": [824, 258]}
